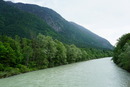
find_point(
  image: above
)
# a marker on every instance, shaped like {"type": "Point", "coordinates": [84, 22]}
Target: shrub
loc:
{"type": "Point", "coordinates": [8, 69]}
{"type": "Point", "coordinates": [1, 67]}
{"type": "Point", "coordinates": [3, 74]}
{"type": "Point", "coordinates": [23, 68]}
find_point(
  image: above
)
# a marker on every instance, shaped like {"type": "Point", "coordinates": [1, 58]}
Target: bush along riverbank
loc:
{"type": "Point", "coordinates": [122, 52]}
{"type": "Point", "coordinates": [20, 55]}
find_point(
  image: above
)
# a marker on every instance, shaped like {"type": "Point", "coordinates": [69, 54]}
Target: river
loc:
{"type": "Point", "coordinates": [94, 73]}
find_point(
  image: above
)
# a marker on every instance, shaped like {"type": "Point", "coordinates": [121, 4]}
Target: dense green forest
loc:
{"type": "Point", "coordinates": [122, 52]}
{"type": "Point", "coordinates": [19, 55]}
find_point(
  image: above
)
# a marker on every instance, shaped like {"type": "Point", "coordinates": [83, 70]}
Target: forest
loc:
{"type": "Point", "coordinates": [20, 55]}
{"type": "Point", "coordinates": [122, 52]}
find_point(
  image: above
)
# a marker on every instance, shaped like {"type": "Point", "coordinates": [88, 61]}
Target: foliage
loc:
{"type": "Point", "coordinates": [20, 55]}
{"type": "Point", "coordinates": [122, 52]}
{"type": "Point", "coordinates": [22, 68]}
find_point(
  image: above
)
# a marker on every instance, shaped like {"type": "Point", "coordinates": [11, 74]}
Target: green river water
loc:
{"type": "Point", "coordinates": [94, 73]}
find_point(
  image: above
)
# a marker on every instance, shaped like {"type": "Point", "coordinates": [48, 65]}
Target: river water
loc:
{"type": "Point", "coordinates": [94, 73]}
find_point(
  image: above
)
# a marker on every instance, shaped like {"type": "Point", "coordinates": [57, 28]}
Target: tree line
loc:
{"type": "Point", "coordinates": [20, 55]}
{"type": "Point", "coordinates": [122, 52]}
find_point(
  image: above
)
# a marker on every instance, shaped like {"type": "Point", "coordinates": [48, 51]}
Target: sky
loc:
{"type": "Point", "coordinates": [109, 19]}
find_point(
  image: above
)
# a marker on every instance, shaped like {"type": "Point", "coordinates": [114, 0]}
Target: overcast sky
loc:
{"type": "Point", "coordinates": [107, 18]}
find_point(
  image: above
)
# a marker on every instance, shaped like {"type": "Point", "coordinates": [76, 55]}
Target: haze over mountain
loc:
{"type": "Point", "coordinates": [27, 20]}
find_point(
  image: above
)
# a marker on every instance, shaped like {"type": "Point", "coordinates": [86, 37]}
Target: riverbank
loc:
{"type": "Point", "coordinates": [20, 55]}
{"type": "Point", "coordinates": [121, 54]}
{"type": "Point", "coordinates": [94, 73]}
{"type": "Point", "coordinates": [16, 71]}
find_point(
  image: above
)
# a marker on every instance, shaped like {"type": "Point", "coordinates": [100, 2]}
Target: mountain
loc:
{"type": "Point", "coordinates": [16, 22]}
{"type": "Point", "coordinates": [28, 19]}
{"type": "Point", "coordinates": [93, 38]}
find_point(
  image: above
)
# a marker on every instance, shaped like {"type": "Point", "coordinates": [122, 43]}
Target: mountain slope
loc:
{"type": "Point", "coordinates": [71, 32]}
{"type": "Point", "coordinates": [16, 22]}
{"type": "Point", "coordinates": [58, 28]}
{"type": "Point", "coordinates": [93, 38]}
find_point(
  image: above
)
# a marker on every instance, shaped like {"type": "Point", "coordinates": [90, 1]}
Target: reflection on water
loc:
{"type": "Point", "coordinates": [94, 73]}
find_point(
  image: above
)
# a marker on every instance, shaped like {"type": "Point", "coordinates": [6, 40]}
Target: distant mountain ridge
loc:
{"type": "Point", "coordinates": [59, 28]}
{"type": "Point", "coordinates": [94, 37]}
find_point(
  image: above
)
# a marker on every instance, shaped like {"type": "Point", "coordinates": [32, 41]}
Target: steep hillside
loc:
{"type": "Point", "coordinates": [16, 22]}
{"type": "Point", "coordinates": [71, 32]}
{"type": "Point", "coordinates": [32, 19]}
{"type": "Point", "coordinates": [92, 38]}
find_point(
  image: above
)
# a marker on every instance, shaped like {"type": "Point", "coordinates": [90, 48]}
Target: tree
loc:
{"type": "Point", "coordinates": [51, 50]}
{"type": "Point", "coordinates": [40, 51]}
{"type": "Point", "coordinates": [84, 55]}
{"type": "Point", "coordinates": [122, 52]}
{"type": "Point", "coordinates": [73, 53]}
{"type": "Point", "coordinates": [17, 48]}
{"type": "Point", "coordinates": [27, 50]}
{"type": "Point", "coordinates": [124, 57]}
{"type": "Point", "coordinates": [7, 55]}
{"type": "Point", "coordinates": [61, 54]}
